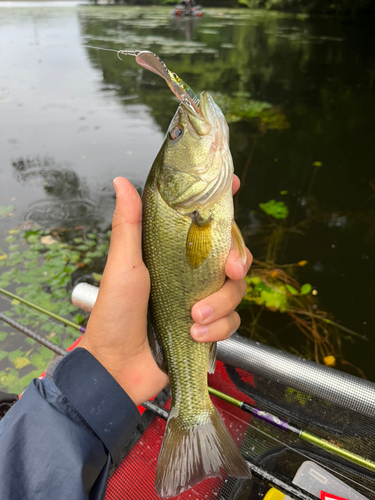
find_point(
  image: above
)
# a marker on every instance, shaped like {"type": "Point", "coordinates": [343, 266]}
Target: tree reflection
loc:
{"type": "Point", "coordinates": [319, 74]}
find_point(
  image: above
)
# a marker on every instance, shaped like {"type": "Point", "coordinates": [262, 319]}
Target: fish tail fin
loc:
{"type": "Point", "coordinates": [188, 456]}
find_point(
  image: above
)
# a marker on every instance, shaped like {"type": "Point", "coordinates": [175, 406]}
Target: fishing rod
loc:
{"type": "Point", "coordinates": [42, 310]}
{"type": "Point", "coordinates": [294, 429]}
{"type": "Point", "coordinates": [252, 410]}
{"type": "Point", "coordinates": [23, 329]}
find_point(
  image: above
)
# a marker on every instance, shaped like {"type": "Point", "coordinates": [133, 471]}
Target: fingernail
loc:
{"type": "Point", "coordinates": [205, 312]}
{"type": "Point", "coordinates": [241, 267]}
{"type": "Point", "coordinates": [242, 256]}
{"type": "Point", "coordinates": [115, 184]}
{"type": "Point", "coordinates": [200, 331]}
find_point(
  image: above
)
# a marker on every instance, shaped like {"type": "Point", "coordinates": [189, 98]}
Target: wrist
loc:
{"type": "Point", "coordinates": [138, 375]}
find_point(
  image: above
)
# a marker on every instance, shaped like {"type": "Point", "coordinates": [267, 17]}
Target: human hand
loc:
{"type": "Point", "coordinates": [116, 333]}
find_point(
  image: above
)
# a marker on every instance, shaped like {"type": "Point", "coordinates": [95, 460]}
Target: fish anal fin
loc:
{"type": "Point", "coordinates": [213, 351]}
{"type": "Point", "coordinates": [155, 347]}
{"type": "Point", "coordinates": [238, 241]}
{"type": "Point", "coordinates": [190, 454]}
{"type": "Point", "coordinates": [198, 243]}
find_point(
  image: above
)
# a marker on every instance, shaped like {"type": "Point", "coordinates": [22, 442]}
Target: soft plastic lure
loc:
{"type": "Point", "coordinates": [153, 63]}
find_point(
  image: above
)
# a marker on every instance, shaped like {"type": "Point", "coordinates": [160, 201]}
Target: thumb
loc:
{"type": "Point", "coordinates": [126, 240]}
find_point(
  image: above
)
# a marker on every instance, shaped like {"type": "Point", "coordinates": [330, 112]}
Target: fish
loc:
{"type": "Point", "coordinates": [188, 230]}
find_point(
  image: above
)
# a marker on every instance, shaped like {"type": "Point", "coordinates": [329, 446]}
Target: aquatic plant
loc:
{"type": "Point", "coordinates": [41, 266]}
{"type": "Point", "coordinates": [275, 289]}
{"type": "Point", "coordinates": [240, 107]}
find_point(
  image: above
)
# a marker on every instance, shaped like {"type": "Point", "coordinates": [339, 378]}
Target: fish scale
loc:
{"type": "Point", "coordinates": [175, 288]}
{"type": "Point", "coordinates": [187, 235]}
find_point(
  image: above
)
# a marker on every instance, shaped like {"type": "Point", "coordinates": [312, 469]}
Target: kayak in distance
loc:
{"type": "Point", "coordinates": [187, 8]}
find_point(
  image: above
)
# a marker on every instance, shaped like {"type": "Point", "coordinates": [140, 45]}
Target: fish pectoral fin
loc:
{"type": "Point", "coordinates": [238, 241]}
{"type": "Point", "coordinates": [198, 243]}
{"type": "Point", "coordinates": [156, 348]}
{"type": "Point", "coordinates": [213, 352]}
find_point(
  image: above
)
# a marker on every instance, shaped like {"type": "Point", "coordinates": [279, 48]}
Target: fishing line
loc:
{"type": "Point", "coordinates": [60, 43]}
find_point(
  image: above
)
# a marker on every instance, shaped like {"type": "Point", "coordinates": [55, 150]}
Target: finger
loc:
{"type": "Point", "coordinates": [235, 268]}
{"type": "Point", "coordinates": [125, 279]}
{"type": "Point", "coordinates": [235, 184]}
{"type": "Point", "coordinates": [221, 329]}
{"type": "Point", "coordinates": [125, 248]}
{"type": "Point", "coordinates": [219, 304]}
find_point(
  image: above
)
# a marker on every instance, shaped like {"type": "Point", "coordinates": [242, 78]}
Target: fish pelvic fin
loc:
{"type": "Point", "coordinates": [213, 353]}
{"type": "Point", "coordinates": [188, 456]}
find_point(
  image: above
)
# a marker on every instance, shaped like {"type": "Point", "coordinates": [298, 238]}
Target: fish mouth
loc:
{"type": "Point", "coordinates": [200, 118]}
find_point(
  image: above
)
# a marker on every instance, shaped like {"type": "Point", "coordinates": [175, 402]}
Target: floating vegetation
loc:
{"type": "Point", "coordinates": [274, 288]}
{"type": "Point", "coordinates": [276, 209]}
{"type": "Point", "coordinates": [241, 108]}
{"type": "Point", "coordinates": [42, 266]}
{"type": "Point", "coordinates": [6, 211]}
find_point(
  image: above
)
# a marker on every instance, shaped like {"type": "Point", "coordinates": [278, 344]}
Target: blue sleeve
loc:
{"type": "Point", "coordinates": [59, 439]}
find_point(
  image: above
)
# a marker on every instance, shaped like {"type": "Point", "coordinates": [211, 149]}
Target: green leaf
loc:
{"type": "Point", "coordinates": [78, 318]}
{"type": "Point", "coordinates": [5, 210]}
{"type": "Point", "coordinates": [291, 289]}
{"type": "Point", "coordinates": [306, 289]}
{"type": "Point", "coordinates": [8, 378]}
{"type": "Point", "coordinates": [34, 238]}
{"type": "Point", "coordinates": [276, 209]}
{"type": "Point", "coordinates": [3, 336]}
{"type": "Point", "coordinates": [274, 298]}
{"type": "Point", "coordinates": [20, 363]}
{"type": "Point", "coordinates": [15, 354]}
{"type": "Point", "coordinates": [3, 354]}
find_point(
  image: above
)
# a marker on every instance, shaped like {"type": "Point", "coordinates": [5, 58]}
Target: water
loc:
{"type": "Point", "coordinates": [73, 118]}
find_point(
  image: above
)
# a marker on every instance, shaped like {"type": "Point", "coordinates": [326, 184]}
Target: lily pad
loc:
{"type": "Point", "coordinates": [276, 209]}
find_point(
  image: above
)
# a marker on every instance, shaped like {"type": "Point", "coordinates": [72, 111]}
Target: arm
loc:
{"type": "Point", "coordinates": [58, 441]}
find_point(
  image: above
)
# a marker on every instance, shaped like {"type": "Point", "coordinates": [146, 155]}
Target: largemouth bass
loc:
{"type": "Point", "coordinates": [188, 230]}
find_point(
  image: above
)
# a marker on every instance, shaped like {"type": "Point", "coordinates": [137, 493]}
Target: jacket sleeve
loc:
{"type": "Point", "coordinates": [59, 439]}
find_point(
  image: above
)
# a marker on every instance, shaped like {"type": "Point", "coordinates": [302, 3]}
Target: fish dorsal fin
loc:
{"type": "Point", "coordinates": [198, 242]}
{"type": "Point", "coordinates": [238, 241]}
{"type": "Point", "coordinates": [213, 351]}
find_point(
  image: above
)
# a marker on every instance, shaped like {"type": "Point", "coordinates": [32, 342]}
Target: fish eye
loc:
{"type": "Point", "coordinates": [176, 132]}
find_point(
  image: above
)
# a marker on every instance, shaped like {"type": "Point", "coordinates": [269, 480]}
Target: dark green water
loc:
{"type": "Point", "coordinates": [73, 118]}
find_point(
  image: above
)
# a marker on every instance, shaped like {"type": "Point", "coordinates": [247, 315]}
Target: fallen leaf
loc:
{"type": "Point", "coordinates": [47, 240]}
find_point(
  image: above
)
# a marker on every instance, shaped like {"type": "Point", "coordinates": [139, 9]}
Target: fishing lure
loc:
{"type": "Point", "coordinates": [152, 62]}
